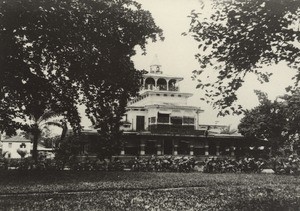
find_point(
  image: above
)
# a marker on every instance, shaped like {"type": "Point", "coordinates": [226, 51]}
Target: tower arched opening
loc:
{"type": "Point", "coordinates": [172, 85]}
{"type": "Point", "coordinates": [149, 83]}
{"type": "Point", "coordinates": [162, 84]}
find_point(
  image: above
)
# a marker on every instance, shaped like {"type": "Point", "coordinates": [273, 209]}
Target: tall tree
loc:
{"type": "Point", "coordinates": [240, 37]}
{"type": "Point", "coordinates": [276, 121]}
{"type": "Point", "coordinates": [55, 54]}
{"type": "Point", "coordinates": [292, 104]}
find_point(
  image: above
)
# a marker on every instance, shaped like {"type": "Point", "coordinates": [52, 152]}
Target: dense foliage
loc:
{"type": "Point", "coordinates": [278, 165]}
{"type": "Point", "coordinates": [240, 37]}
{"type": "Point", "coordinates": [246, 165]}
{"type": "Point", "coordinates": [57, 54]}
{"type": "Point", "coordinates": [275, 121]}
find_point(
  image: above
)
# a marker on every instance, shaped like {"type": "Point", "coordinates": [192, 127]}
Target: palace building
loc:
{"type": "Point", "coordinates": [160, 122]}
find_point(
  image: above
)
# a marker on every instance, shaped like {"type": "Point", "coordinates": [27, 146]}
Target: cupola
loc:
{"type": "Point", "coordinates": [155, 66]}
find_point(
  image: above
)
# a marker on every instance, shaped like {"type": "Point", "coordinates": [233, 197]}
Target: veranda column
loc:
{"type": "Point", "coordinates": [175, 147]}
{"type": "Point", "coordinates": [192, 149]}
{"type": "Point", "coordinates": [218, 148]}
{"type": "Point", "coordinates": [206, 147]}
{"type": "Point", "coordinates": [232, 150]}
{"type": "Point", "coordinates": [158, 147]}
{"type": "Point", "coordinates": [142, 147]}
{"type": "Point", "coordinates": [122, 151]}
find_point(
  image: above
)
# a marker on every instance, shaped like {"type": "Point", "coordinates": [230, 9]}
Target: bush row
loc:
{"type": "Point", "coordinates": [280, 165]}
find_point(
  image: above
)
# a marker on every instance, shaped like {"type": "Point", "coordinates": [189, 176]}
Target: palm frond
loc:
{"type": "Point", "coordinates": [54, 123]}
{"type": "Point", "coordinates": [48, 114]}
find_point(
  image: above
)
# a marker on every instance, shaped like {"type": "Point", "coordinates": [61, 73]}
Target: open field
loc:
{"type": "Point", "coordinates": [93, 190]}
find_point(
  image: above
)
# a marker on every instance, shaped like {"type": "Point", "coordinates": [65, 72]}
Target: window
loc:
{"type": "Point", "coordinates": [176, 120]}
{"type": "Point", "coordinates": [188, 120]}
{"type": "Point", "coordinates": [179, 95]}
{"type": "Point", "coordinates": [165, 95]}
{"type": "Point", "coordinates": [157, 94]}
{"type": "Point", "coordinates": [163, 118]}
{"type": "Point", "coordinates": [152, 119]}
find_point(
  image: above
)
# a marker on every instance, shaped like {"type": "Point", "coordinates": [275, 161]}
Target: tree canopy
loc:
{"type": "Point", "coordinates": [276, 121]}
{"type": "Point", "coordinates": [241, 37]}
{"type": "Point", "coordinates": [55, 54]}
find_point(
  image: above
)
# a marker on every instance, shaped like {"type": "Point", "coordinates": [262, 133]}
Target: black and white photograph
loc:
{"type": "Point", "coordinates": [150, 105]}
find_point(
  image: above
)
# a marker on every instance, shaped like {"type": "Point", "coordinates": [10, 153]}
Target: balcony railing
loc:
{"type": "Point", "coordinates": [160, 87]}
{"type": "Point", "coordinates": [163, 120]}
{"type": "Point", "coordinates": [174, 129]}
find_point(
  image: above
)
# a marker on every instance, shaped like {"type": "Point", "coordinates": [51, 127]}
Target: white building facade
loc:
{"type": "Point", "coordinates": [11, 146]}
{"type": "Point", "coordinates": [160, 122]}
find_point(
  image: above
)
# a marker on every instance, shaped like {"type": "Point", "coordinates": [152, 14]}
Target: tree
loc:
{"type": "Point", "coordinates": [37, 128]}
{"type": "Point", "coordinates": [67, 151]}
{"type": "Point", "coordinates": [240, 37]}
{"type": "Point", "coordinates": [57, 54]}
{"type": "Point", "coordinates": [276, 121]}
{"type": "Point", "coordinates": [292, 104]}
{"type": "Point", "coordinates": [43, 124]}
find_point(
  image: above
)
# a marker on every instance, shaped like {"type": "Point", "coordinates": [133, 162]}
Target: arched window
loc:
{"type": "Point", "coordinates": [149, 83]}
{"type": "Point", "coordinates": [162, 84]}
{"type": "Point", "coordinates": [172, 85]}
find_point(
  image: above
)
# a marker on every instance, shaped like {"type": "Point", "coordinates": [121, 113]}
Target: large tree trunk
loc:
{"type": "Point", "coordinates": [36, 135]}
{"type": "Point", "coordinates": [63, 133]}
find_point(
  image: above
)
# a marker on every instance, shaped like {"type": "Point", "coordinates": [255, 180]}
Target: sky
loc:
{"type": "Point", "coordinates": [176, 55]}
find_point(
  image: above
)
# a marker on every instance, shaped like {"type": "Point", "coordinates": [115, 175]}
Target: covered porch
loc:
{"type": "Point", "coordinates": [201, 146]}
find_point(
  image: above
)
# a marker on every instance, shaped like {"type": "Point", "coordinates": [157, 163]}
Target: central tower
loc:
{"type": "Point", "coordinates": [155, 66]}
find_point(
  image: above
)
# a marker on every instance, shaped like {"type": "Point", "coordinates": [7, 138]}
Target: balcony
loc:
{"type": "Point", "coordinates": [174, 129]}
{"type": "Point", "coordinates": [150, 87]}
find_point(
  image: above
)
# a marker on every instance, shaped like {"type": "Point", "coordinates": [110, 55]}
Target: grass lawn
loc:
{"type": "Point", "coordinates": [67, 190]}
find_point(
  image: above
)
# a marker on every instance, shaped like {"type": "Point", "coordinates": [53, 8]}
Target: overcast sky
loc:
{"type": "Point", "coordinates": [176, 55]}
